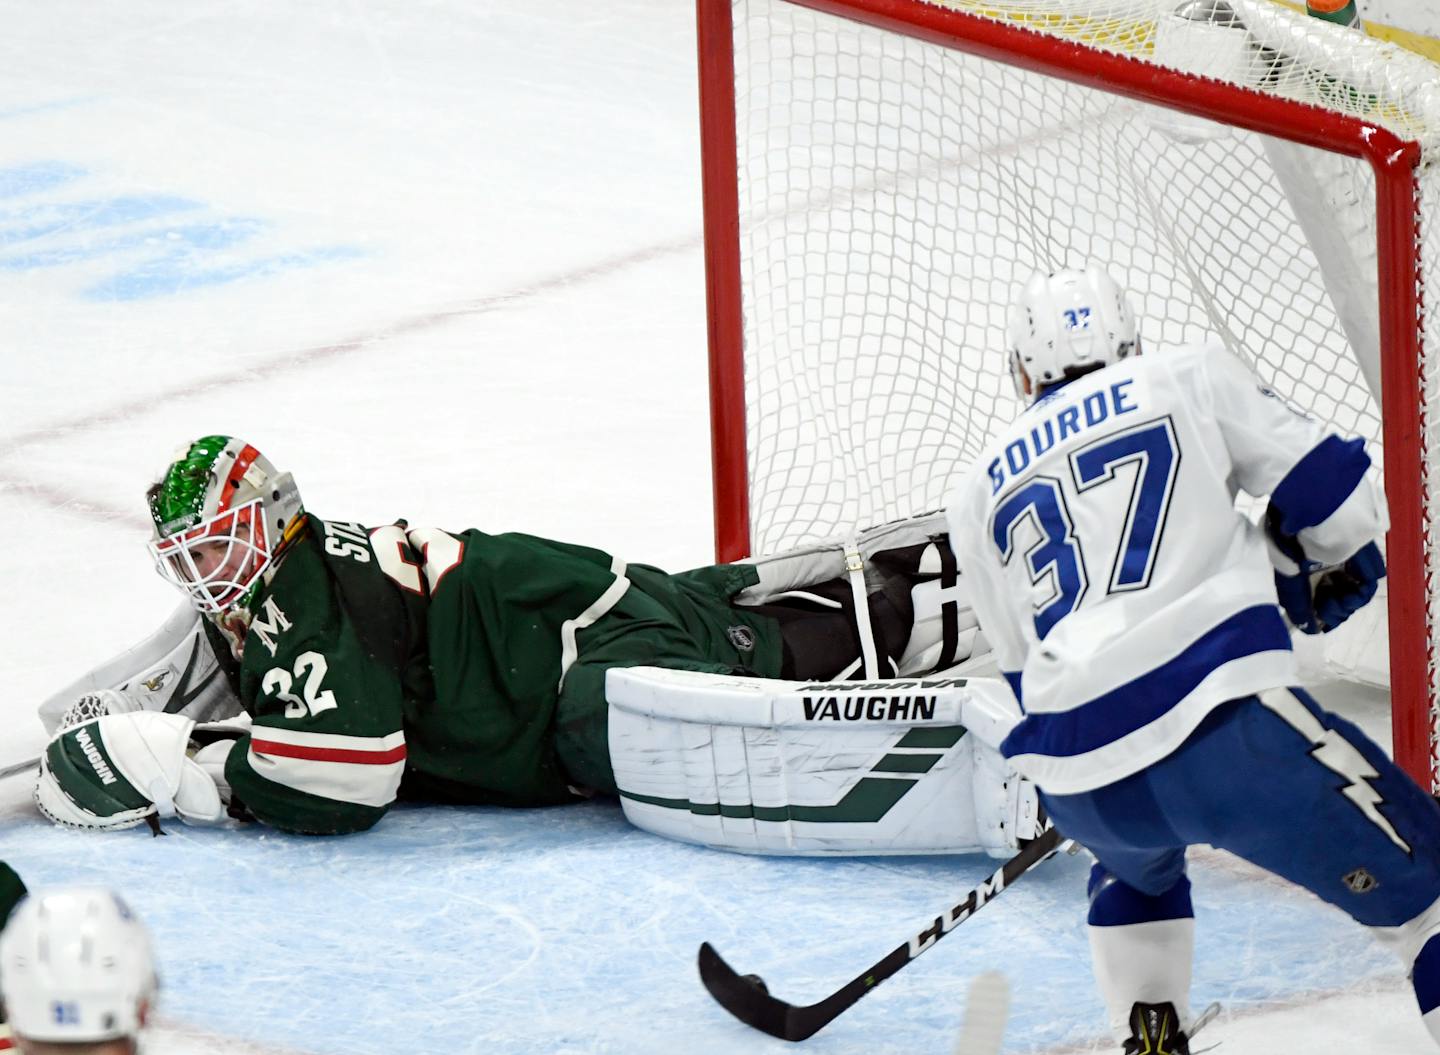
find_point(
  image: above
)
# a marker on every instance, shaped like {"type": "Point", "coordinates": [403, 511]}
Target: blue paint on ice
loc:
{"type": "Point", "coordinates": [151, 245]}
{"type": "Point", "coordinates": [44, 219]}
{"type": "Point", "coordinates": [36, 177]}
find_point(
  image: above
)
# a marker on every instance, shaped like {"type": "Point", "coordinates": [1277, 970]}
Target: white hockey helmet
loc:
{"type": "Point", "coordinates": [76, 967]}
{"type": "Point", "coordinates": [1065, 322]}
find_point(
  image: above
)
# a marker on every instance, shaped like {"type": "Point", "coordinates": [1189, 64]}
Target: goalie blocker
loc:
{"type": "Point", "coordinates": [908, 766]}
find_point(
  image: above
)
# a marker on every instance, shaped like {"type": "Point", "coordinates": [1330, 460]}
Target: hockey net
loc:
{"type": "Point", "coordinates": [880, 175]}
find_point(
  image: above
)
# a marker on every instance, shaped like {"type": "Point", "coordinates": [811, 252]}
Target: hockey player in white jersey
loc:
{"type": "Point", "coordinates": [76, 973]}
{"type": "Point", "coordinates": [1137, 616]}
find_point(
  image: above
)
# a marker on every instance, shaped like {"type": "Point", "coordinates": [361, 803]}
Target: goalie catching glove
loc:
{"type": "Point", "coordinates": [120, 770]}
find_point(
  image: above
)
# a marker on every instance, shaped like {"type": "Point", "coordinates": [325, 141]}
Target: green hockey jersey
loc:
{"type": "Point", "coordinates": [11, 891]}
{"type": "Point", "coordinates": [390, 662]}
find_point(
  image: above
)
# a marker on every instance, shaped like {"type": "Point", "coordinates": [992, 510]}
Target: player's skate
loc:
{"type": "Point", "coordinates": [1155, 1030]}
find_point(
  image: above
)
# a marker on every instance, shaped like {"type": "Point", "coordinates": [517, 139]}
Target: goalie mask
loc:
{"type": "Point", "coordinates": [1068, 323]}
{"type": "Point", "coordinates": [222, 516]}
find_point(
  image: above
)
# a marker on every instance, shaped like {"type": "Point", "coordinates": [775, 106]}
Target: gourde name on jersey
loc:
{"type": "Point", "coordinates": [1057, 427]}
{"type": "Point", "coordinates": [1113, 472]}
{"type": "Point", "coordinates": [1124, 594]}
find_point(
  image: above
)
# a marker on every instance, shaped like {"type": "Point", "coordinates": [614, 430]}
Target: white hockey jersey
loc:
{"type": "Point", "coordinates": [1123, 593]}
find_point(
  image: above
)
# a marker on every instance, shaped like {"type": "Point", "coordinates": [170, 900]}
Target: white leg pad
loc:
{"type": "Point", "coordinates": [774, 767]}
{"type": "Point", "coordinates": [1146, 962]}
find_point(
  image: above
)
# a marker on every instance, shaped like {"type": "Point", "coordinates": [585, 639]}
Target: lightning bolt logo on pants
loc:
{"type": "Point", "coordinates": [1338, 755]}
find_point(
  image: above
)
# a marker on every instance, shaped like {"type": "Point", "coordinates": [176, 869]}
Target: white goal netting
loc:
{"type": "Point", "coordinates": [894, 192]}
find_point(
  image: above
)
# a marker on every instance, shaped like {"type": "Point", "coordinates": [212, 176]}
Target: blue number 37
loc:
{"type": "Point", "coordinates": [1057, 560]}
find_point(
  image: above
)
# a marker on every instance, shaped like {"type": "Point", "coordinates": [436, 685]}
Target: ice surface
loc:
{"type": "Point", "coordinates": [442, 261]}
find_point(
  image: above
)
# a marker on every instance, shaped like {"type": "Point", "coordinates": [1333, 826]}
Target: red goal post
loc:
{"type": "Point", "coordinates": [854, 212]}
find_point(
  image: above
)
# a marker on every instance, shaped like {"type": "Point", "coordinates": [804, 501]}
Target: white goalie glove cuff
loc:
{"type": "Point", "coordinates": [212, 758]}
{"type": "Point", "coordinates": [117, 770]}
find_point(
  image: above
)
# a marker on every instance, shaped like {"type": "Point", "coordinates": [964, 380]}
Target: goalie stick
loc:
{"type": "Point", "coordinates": [748, 998]}
{"type": "Point", "coordinates": [18, 768]}
{"type": "Point", "coordinates": [203, 733]}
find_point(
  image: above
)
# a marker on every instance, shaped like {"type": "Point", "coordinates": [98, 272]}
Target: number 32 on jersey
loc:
{"type": "Point", "coordinates": [1055, 562]}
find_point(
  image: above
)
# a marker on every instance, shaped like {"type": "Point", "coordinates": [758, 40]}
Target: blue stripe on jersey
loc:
{"type": "Point", "coordinates": [1013, 677]}
{"type": "Point", "coordinates": [1137, 703]}
{"type": "Point", "coordinates": [1318, 483]}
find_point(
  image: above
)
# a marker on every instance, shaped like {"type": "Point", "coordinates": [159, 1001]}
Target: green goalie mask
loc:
{"type": "Point", "coordinates": [223, 515]}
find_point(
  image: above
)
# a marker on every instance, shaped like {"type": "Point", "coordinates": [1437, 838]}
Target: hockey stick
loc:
{"type": "Point", "coordinates": [987, 1007]}
{"type": "Point", "coordinates": [748, 999]}
{"type": "Point", "coordinates": [203, 733]}
{"type": "Point", "coordinates": [18, 768]}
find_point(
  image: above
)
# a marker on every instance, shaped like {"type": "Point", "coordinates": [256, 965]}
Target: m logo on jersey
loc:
{"type": "Point", "coordinates": [271, 620]}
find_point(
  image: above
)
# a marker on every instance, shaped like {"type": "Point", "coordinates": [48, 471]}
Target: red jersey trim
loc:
{"type": "Point", "coordinates": [329, 754]}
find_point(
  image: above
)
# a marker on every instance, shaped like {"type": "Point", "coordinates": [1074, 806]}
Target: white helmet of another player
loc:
{"type": "Point", "coordinates": [1066, 323]}
{"type": "Point", "coordinates": [76, 967]}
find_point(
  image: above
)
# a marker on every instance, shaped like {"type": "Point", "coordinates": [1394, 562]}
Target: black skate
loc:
{"type": "Point", "coordinates": [1155, 1030]}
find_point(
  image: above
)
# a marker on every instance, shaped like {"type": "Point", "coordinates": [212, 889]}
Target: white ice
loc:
{"type": "Point", "coordinates": [442, 260]}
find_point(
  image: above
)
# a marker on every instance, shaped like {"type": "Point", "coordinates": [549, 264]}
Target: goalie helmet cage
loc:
{"type": "Point", "coordinates": [879, 176]}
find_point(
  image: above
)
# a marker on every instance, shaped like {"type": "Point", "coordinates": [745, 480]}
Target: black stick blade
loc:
{"type": "Point", "coordinates": [748, 999]}
{"type": "Point", "coordinates": [743, 998]}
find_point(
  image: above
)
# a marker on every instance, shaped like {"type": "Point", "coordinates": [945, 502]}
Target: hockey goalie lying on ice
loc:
{"type": "Point", "coordinates": [772, 706]}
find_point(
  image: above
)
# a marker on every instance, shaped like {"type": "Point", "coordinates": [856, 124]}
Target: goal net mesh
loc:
{"type": "Point", "coordinates": [894, 193]}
